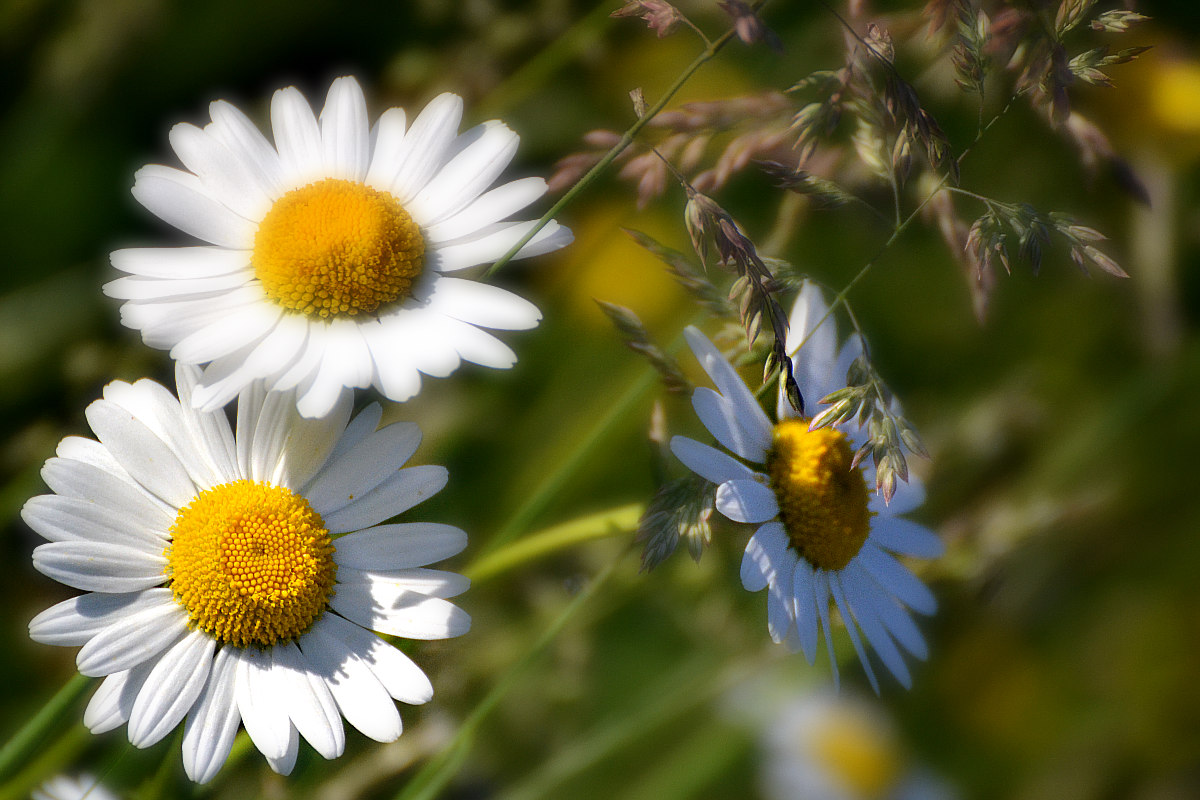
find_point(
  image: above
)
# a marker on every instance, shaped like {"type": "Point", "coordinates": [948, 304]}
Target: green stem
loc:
{"type": "Point", "coordinates": [600, 525]}
{"type": "Point", "coordinates": [438, 771]}
{"type": "Point", "coordinates": [18, 750]}
{"type": "Point", "coordinates": [48, 761]}
{"type": "Point", "coordinates": [626, 139]}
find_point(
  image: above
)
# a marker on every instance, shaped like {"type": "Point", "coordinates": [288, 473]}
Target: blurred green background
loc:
{"type": "Point", "coordinates": [1064, 430]}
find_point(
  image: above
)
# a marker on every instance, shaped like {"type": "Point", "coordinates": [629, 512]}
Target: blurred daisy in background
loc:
{"type": "Point", "coordinates": [67, 787]}
{"type": "Point", "coordinates": [329, 255]}
{"type": "Point", "coordinates": [826, 746]}
{"type": "Point", "coordinates": [822, 535]}
{"type": "Point", "coordinates": [237, 578]}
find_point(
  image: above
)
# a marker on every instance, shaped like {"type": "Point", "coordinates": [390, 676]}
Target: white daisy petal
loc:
{"type": "Point", "coordinates": [136, 288]}
{"type": "Point", "coordinates": [365, 423]}
{"type": "Point", "coordinates": [402, 679]}
{"type": "Point", "coordinates": [396, 374]}
{"type": "Point", "coordinates": [180, 199]}
{"type": "Point", "coordinates": [297, 137]}
{"type": "Point", "coordinates": [398, 612]}
{"type": "Point", "coordinates": [240, 135]}
{"type": "Point", "coordinates": [746, 501]}
{"type": "Point", "coordinates": [476, 346]}
{"type": "Point", "coordinates": [468, 174]}
{"type": "Point", "coordinates": [764, 557]}
{"type": "Point", "coordinates": [70, 519]}
{"type": "Point", "coordinates": [909, 495]}
{"type": "Point", "coordinates": [821, 600]}
{"type": "Point", "coordinates": [906, 537]}
{"type": "Point", "coordinates": [233, 331]}
{"type": "Point", "coordinates": [804, 610]}
{"type": "Point", "coordinates": [386, 150]}
{"type": "Point", "coordinates": [132, 640]}
{"type": "Point", "coordinates": [180, 263]}
{"type": "Point", "coordinates": [212, 723]}
{"type": "Point", "coordinates": [143, 455]}
{"type": "Point", "coordinates": [171, 689]}
{"type": "Point", "coordinates": [780, 606]}
{"type": "Point", "coordinates": [721, 419]}
{"type": "Point", "coordinates": [98, 566]}
{"type": "Point", "coordinates": [363, 467]}
{"type": "Point", "coordinates": [748, 412]}
{"type": "Point", "coordinates": [877, 636]}
{"type": "Point", "coordinates": [430, 582]}
{"type": "Point", "coordinates": [895, 578]}
{"type": "Point", "coordinates": [400, 546]}
{"type": "Point", "coordinates": [494, 241]}
{"type": "Point", "coordinates": [285, 763]}
{"type": "Point", "coordinates": [72, 478]}
{"type": "Point", "coordinates": [708, 462]}
{"type": "Point", "coordinates": [405, 489]}
{"type": "Point", "coordinates": [894, 617]}
{"type": "Point", "coordinates": [345, 130]}
{"type": "Point", "coordinates": [359, 695]}
{"type": "Point", "coordinates": [487, 209]}
{"type": "Point", "coordinates": [839, 597]}
{"type": "Point", "coordinates": [73, 622]}
{"type": "Point", "coordinates": [112, 702]}
{"type": "Point", "coordinates": [262, 703]}
{"type": "Point", "coordinates": [425, 145]}
{"type": "Point", "coordinates": [483, 305]}
{"type": "Point", "coordinates": [310, 704]}
{"type": "Point", "coordinates": [220, 170]}
{"type": "Point", "coordinates": [209, 430]}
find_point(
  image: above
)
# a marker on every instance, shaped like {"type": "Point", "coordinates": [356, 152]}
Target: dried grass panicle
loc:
{"type": "Point", "coordinates": [680, 509]}
{"type": "Point", "coordinates": [660, 16]}
{"type": "Point", "coordinates": [633, 332]}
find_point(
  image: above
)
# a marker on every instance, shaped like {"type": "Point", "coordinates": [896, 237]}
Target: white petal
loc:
{"type": "Point", "coordinates": [365, 423]}
{"type": "Point", "coordinates": [895, 578]}
{"type": "Point", "coordinates": [73, 622]}
{"type": "Point", "coordinates": [397, 494]}
{"type": "Point", "coordinates": [363, 467]}
{"type": "Point", "coordinates": [345, 131]}
{"type": "Point", "coordinates": [150, 289]}
{"type": "Point", "coordinates": [748, 413]}
{"type": "Point", "coordinates": [359, 694]}
{"type": "Point", "coordinates": [244, 139]}
{"type": "Point", "coordinates": [804, 611]}
{"type": "Point", "coordinates": [480, 162]}
{"type": "Point", "coordinates": [70, 519]}
{"type": "Point", "coordinates": [873, 630]}
{"type": "Point", "coordinates": [220, 170]}
{"type": "Point", "coordinates": [403, 679]}
{"type": "Point", "coordinates": [310, 704]}
{"type": "Point", "coordinates": [179, 199]}
{"type": "Point", "coordinates": [297, 137]}
{"type": "Point", "coordinates": [813, 349]}
{"type": "Point", "coordinates": [430, 582]}
{"type": "Point", "coordinates": [132, 640]}
{"type": "Point", "coordinates": [894, 616]}
{"type": "Point", "coordinates": [488, 209]}
{"type": "Point", "coordinates": [909, 495]}
{"type": "Point", "coordinates": [171, 689]}
{"type": "Point", "coordinates": [764, 556]}
{"type": "Point", "coordinates": [423, 148]}
{"type": "Point", "coordinates": [180, 263]}
{"type": "Point", "coordinates": [494, 241]}
{"type": "Point", "coordinates": [844, 609]}
{"type": "Point", "coordinates": [400, 613]}
{"type": "Point", "coordinates": [780, 605]}
{"type": "Point", "coordinates": [722, 419]}
{"type": "Point", "coordinates": [208, 429]}
{"type": "Point", "coordinates": [397, 376]}
{"type": "Point", "coordinates": [821, 599]}
{"type": "Point", "coordinates": [481, 304]}
{"type": "Point", "coordinates": [386, 149]}
{"type": "Point", "coordinates": [345, 364]}
{"type": "Point", "coordinates": [99, 567]}
{"type": "Point", "coordinates": [237, 329]}
{"type": "Point", "coordinates": [906, 537]}
{"type": "Point", "coordinates": [708, 462]}
{"type": "Point", "coordinates": [474, 345]}
{"type": "Point", "coordinates": [212, 724]}
{"type": "Point", "coordinates": [112, 703]}
{"type": "Point", "coordinates": [143, 455]}
{"type": "Point", "coordinates": [746, 501]}
{"type": "Point", "coordinates": [401, 546]}
{"type": "Point", "coordinates": [262, 703]}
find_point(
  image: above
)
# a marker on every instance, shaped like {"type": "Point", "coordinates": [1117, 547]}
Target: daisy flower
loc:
{"type": "Point", "coordinates": [66, 787]}
{"type": "Point", "coordinates": [822, 536]}
{"type": "Point", "coordinates": [329, 255]}
{"type": "Point", "coordinates": [237, 578]}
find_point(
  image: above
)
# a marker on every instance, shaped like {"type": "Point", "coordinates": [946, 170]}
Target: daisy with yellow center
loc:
{"type": "Point", "coordinates": [330, 254]}
{"type": "Point", "coordinates": [823, 538]}
{"type": "Point", "coordinates": [236, 579]}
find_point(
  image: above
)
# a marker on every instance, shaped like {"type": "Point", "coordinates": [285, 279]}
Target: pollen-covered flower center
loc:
{"type": "Point", "coordinates": [252, 563]}
{"type": "Point", "coordinates": [337, 248]}
{"type": "Point", "coordinates": [822, 499]}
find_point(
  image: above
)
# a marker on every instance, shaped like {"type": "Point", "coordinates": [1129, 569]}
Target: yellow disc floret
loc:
{"type": "Point", "coordinates": [252, 563]}
{"type": "Point", "coordinates": [337, 248]}
{"type": "Point", "coordinates": [822, 499]}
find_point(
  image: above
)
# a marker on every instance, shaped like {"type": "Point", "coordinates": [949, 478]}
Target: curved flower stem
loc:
{"type": "Point", "coordinates": [25, 742]}
{"type": "Point", "coordinates": [49, 760]}
{"type": "Point", "coordinates": [626, 139]}
{"type": "Point", "coordinates": [437, 772]}
{"type": "Point", "coordinates": [600, 525]}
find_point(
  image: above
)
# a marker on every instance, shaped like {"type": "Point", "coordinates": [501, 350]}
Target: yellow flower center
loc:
{"type": "Point", "coordinates": [860, 754]}
{"type": "Point", "coordinates": [822, 499]}
{"type": "Point", "coordinates": [337, 248]}
{"type": "Point", "coordinates": [252, 563]}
